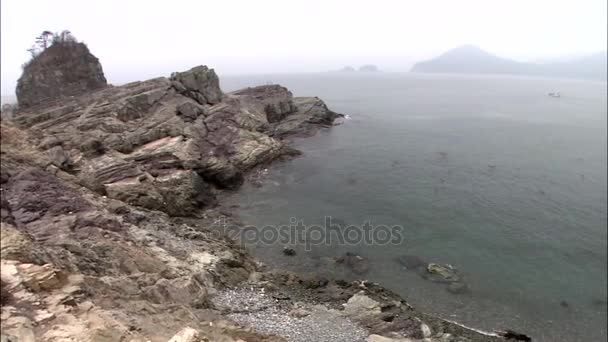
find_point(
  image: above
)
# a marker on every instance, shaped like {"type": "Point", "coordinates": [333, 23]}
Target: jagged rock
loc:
{"type": "Point", "coordinates": [189, 111]}
{"type": "Point", "coordinates": [362, 306]}
{"type": "Point", "coordinates": [178, 194]}
{"type": "Point", "coordinates": [199, 83]}
{"type": "Point", "coordinates": [144, 142]}
{"type": "Point", "coordinates": [442, 273]}
{"type": "Point", "coordinates": [41, 278]}
{"type": "Point", "coordinates": [426, 330]}
{"type": "Point", "coordinates": [276, 101]}
{"type": "Point", "coordinates": [59, 157]}
{"type": "Point", "coordinates": [311, 111]}
{"type": "Point", "coordinates": [13, 244]}
{"type": "Point", "coordinates": [63, 69]}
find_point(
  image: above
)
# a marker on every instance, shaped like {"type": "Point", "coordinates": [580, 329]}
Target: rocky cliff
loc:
{"type": "Point", "coordinates": [169, 143]}
{"type": "Point", "coordinates": [64, 69]}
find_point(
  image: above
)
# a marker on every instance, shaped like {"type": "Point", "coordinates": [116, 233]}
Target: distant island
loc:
{"type": "Point", "coordinates": [363, 68]}
{"type": "Point", "coordinates": [470, 59]}
{"type": "Point", "coordinates": [369, 68]}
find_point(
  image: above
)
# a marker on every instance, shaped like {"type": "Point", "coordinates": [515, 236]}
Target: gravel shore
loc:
{"type": "Point", "coordinates": [296, 323]}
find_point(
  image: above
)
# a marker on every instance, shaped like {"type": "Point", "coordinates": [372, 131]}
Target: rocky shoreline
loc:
{"type": "Point", "coordinates": [109, 196]}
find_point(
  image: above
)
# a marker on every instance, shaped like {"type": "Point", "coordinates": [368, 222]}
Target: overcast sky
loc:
{"type": "Point", "coordinates": [139, 39]}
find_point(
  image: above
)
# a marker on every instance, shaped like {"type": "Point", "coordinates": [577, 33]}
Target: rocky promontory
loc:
{"type": "Point", "coordinates": [109, 226]}
{"type": "Point", "coordinates": [66, 68]}
{"type": "Point", "coordinates": [170, 143]}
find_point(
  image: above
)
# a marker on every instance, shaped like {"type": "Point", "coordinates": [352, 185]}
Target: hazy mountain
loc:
{"type": "Point", "coordinates": [469, 59]}
{"type": "Point", "coordinates": [591, 67]}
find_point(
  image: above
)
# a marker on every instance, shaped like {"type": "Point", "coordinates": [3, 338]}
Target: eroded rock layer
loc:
{"type": "Point", "coordinates": [168, 143]}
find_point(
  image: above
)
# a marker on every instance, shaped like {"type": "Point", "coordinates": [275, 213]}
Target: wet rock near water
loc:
{"type": "Point", "coordinates": [441, 273]}
{"type": "Point", "coordinates": [411, 262]}
{"type": "Point", "coordinates": [437, 273]}
{"type": "Point", "coordinates": [356, 263]}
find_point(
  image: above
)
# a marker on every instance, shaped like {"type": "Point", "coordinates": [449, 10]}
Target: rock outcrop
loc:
{"type": "Point", "coordinates": [64, 69]}
{"type": "Point", "coordinates": [169, 143]}
{"type": "Point", "coordinates": [78, 266]}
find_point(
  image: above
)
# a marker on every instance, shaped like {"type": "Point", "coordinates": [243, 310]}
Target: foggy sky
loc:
{"type": "Point", "coordinates": [140, 39]}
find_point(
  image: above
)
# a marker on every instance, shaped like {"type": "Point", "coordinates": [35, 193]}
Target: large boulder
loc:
{"type": "Point", "coordinates": [276, 101]}
{"type": "Point", "coordinates": [179, 193]}
{"type": "Point", "coordinates": [63, 69]}
{"type": "Point", "coordinates": [199, 83]}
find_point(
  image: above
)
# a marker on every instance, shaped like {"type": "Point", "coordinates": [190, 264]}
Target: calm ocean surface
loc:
{"type": "Point", "coordinates": [486, 173]}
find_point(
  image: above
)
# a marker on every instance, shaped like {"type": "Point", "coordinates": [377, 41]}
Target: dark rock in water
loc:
{"type": "Point", "coordinates": [564, 304]}
{"type": "Point", "coordinates": [442, 273]}
{"type": "Point", "coordinates": [355, 263]}
{"type": "Point", "coordinates": [64, 69]}
{"type": "Point", "coordinates": [289, 251]}
{"type": "Point", "coordinates": [511, 335]}
{"type": "Point", "coordinates": [411, 262]}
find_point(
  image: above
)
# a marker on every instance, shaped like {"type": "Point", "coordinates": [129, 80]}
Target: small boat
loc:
{"type": "Point", "coordinates": [555, 94]}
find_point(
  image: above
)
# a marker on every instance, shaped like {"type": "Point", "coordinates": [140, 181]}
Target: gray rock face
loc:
{"type": "Point", "coordinates": [277, 101]}
{"type": "Point", "coordinates": [199, 83]}
{"type": "Point", "coordinates": [170, 144]}
{"type": "Point", "coordinates": [64, 69]}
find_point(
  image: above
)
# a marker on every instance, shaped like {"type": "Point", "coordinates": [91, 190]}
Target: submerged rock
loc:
{"type": "Point", "coordinates": [458, 287]}
{"type": "Point", "coordinates": [411, 262]}
{"type": "Point", "coordinates": [356, 263]}
{"type": "Point", "coordinates": [442, 273]}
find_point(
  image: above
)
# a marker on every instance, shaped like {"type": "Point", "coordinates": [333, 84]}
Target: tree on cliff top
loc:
{"type": "Point", "coordinates": [47, 38]}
